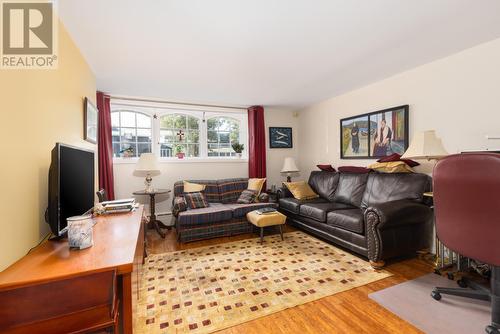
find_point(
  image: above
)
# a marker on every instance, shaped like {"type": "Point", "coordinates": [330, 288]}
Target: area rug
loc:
{"type": "Point", "coordinates": [207, 289]}
{"type": "Point", "coordinates": [412, 302]}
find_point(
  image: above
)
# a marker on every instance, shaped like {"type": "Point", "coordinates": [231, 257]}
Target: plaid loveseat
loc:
{"type": "Point", "coordinates": [223, 217]}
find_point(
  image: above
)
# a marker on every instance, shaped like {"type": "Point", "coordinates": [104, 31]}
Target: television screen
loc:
{"type": "Point", "coordinates": [71, 185]}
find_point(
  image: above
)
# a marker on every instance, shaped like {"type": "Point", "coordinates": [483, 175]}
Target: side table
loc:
{"type": "Point", "coordinates": [153, 222]}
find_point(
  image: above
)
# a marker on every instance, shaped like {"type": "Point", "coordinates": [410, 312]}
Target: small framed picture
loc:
{"type": "Point", "coordinates": [280, 137]}
{"type": "Point", "coordinates": [354, 137]}
{"type": "Point", "coordinates": [90, 120]}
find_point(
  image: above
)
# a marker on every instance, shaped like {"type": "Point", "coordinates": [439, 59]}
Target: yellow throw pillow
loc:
{"type": "Point", "coordinates": [256, 185]}
{"type": "Point", "coordinates": [391, 167]}
{"type": "Point", "coordinates": [301, 190]}
{"type": "Point", "coordinates": [193, 187]}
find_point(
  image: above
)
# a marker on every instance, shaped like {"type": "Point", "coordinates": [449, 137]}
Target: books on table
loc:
{"type": "Point", "coordinates": [265, 211]}
{"type": "Point", "coordinates": [119, 205]}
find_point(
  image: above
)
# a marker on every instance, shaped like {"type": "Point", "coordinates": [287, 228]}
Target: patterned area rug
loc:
{"type": "Point", "coordinates": [207, 289]}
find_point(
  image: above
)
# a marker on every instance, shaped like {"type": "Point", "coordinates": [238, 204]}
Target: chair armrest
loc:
{"type": "Point", "coordinates": [283, 192]}
{"type": "Point", "coordinates": [178, 205]}
{"type": "Point", "coordinates": [397, 213]}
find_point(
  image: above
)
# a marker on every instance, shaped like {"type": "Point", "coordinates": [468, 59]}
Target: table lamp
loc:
{"type": "Point", "coordinates": [425, 145]}
{"type": "Point", "coordinates": [148, 165]}
{"type": "Point", "coordinates": [289, 167]}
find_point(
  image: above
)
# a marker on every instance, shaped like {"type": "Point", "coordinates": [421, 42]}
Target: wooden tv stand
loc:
{"type": "Point", "coordinates": [119, 242]}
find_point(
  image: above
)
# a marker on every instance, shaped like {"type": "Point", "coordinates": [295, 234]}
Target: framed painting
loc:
{"type": "Point", "coordinates": [280, 137]}
{"type": "Point", "coordinates": [90, 120]}
{"type": "Point", "coordinates": [375, 134]}
{"type": "Point", "coordinates": [354, 137]}
{"type": "Point", "coordinates": [389, 131]}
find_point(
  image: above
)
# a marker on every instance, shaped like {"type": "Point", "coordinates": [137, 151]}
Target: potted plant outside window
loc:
{"type": "Point", "coordinates": [127, 152]}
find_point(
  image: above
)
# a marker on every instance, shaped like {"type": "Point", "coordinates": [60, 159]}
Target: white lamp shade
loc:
{"type": "Point", "coordinates": [425, 145]}
{"type": "Point", "coordinates": [289, 166]}
{"type": "Point", "coordinates": [148, 164]}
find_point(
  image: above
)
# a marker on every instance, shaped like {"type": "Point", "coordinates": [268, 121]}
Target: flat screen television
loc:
{"type": "Point", "coordinates": [71, 186]}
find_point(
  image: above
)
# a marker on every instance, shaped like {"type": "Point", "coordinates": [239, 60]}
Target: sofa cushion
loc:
{"type": "Point", "coordinates": [240, 210]}
{"type": "Point", "coordinates": [351, 188]}
{"type": "Point", "coordinates": [195, 200]}
{"type": "Point", "coordinates": [215, 212]}
{"type": "Point", "coordinates": [318, 211]}
{"type": "Point", "coordinates": [231, 189]}
{"type": "Point", "coordinates": [247, 196]}
{"type": "Point", "coordinates": [301, 190]}
{"type": "Point", "coordinates": [292, 204]}
{"type": "Point", "coordinates": [350, 219]}
{"type": "Point", "coordinates": [382, 188]}
{"type": "Point", "coordinates": [211, 191]}
{"type": "Point", "coordinates": [324, 183]}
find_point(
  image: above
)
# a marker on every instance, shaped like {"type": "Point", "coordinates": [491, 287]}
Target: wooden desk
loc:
{"type": "Point", "coordinates": [118, 244]}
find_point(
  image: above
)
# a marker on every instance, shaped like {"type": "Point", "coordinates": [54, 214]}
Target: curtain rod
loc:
{"type": "Point", "coordinates": [143, 99]}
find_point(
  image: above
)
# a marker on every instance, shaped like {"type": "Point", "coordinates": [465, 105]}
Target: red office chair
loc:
{"type": "Point", "coordinates": [466, 202]}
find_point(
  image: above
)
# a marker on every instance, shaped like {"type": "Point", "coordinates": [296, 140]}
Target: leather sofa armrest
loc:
{"type": "Point", "coordinates": [395, 228]}
{"type": "Point", "coordinates": [283, 192]}
{"type": "Point", "coordinates": [400, 212]}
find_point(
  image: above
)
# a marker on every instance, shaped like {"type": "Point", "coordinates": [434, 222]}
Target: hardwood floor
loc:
{"type": "Point", "coordinates": [346, 312]}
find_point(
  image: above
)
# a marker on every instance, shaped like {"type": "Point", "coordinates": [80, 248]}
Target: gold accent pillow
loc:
{"type": "Point", "coordinates": [193, 187]}
{"type": "Point", "coordinates": [301, 190]}
{"type": "Point", "coordinates": [392, 167]}
{"type": "Point", "coordinates": [256, 185]}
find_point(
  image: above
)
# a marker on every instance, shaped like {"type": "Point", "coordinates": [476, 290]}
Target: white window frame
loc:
{"type": "Point", "coordinates": [124, 109]}
{"type": "Point", "coordinates": [202, 113]}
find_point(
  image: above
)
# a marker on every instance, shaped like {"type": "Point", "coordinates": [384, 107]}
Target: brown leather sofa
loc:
{"type": "Point", "coordinates": [376, 215]}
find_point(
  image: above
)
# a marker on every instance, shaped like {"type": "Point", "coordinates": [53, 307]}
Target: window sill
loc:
{"type": "Point", "coordinates": [119, 161]}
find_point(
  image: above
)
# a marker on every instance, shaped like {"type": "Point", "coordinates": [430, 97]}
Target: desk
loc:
{"type": "Point", "coordinates": [118, 244]}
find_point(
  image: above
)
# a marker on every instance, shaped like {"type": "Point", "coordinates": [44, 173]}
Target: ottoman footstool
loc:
{"type": "Point", "coordinates": [264, 220]}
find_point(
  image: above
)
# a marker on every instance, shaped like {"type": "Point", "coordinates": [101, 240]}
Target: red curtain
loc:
{"type": "Point", "coordinates": [105, 146]}
{"type": "Point", "coordinates": [256, 142]}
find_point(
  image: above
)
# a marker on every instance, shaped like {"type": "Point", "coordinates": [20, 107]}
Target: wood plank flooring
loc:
{"type": "Point", "coordinates": [346, 312]}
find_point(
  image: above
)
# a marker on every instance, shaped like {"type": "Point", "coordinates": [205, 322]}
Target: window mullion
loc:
{"type": "Point", "coordinates": [203, 138]}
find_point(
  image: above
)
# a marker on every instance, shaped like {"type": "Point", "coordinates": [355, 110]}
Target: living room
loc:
{"type": "Point", "coordinates": [282, 166]}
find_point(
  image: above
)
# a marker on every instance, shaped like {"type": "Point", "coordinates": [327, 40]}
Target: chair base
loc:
{"type": "Point", "coordinates": [478, 292]}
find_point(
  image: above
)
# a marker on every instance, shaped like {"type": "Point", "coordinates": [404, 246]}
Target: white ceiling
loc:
{"type": "Point", "coordinates": [271, 52]}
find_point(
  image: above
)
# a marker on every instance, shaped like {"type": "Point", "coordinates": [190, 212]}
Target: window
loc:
{"type": "Point", "coordinates": [222, 132]}
{"type": "Point", "coordinates": [201, 134]}
{"type": "Point", "coordinates": [132, 133]}
{"type": "Point", "coordinates": [179, 133]}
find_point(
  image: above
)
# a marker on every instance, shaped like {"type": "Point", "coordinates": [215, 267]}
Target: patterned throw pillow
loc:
{"type": "Point", "coordinates": [195, 200]}
{"type": "Point", "coordinates": [179, 205]}
{"type": "Point", "coordinates": [247, 196]}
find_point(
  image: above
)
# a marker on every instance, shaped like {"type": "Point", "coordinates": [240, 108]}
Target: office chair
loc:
{"type": "Point", "coordinates": [466, 204]}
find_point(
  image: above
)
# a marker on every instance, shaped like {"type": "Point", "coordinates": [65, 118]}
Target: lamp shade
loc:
{"type": "Point", "coordinates": [289, 166]}
{"type": "Point", "coordinates": [148, 164]}
{"type": "Point", "coordinates": [425, 145]}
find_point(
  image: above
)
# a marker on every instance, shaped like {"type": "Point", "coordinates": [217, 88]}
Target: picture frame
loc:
{"type": "Point", "coordinates": [375, 134]}
{"type": "Point", "coordinates": [280, 137]}
{"type": "Point", "coordinates": [90, 121]}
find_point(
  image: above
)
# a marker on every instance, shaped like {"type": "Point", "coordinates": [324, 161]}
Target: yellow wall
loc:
{"type": "Point", "coordinates": [38, 109]}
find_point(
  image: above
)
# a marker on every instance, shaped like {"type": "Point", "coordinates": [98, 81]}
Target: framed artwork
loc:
{"type": "Point", "coordinates": [280, 137]}
{"type": "Point", "coordinates": [354, 137]}
{"type": "Point", "coordinates": [90, 119]}
{"type": "Point", "coordinates": [375, 134]}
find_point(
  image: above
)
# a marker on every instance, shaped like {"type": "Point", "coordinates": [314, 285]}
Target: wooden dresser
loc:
{"type": "Point", "coordinates": [119, 244]}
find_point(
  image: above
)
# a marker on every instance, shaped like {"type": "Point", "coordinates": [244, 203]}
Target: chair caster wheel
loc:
{"type": "Point", "coordinates": [462, 283]}
{"type": "Point", "coordinates": [492, 330]}
{"type": "Point", "coordinates": [436, 295]}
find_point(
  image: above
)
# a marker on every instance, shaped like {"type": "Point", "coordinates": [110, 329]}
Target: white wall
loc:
{"type": "Point", "coordinates": [126, 182]}
{"type": "Point", "coordinates": [458, 96]}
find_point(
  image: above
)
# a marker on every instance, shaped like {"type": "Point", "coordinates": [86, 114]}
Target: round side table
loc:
{"type": "Point", "coordinates": [153, 222]}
